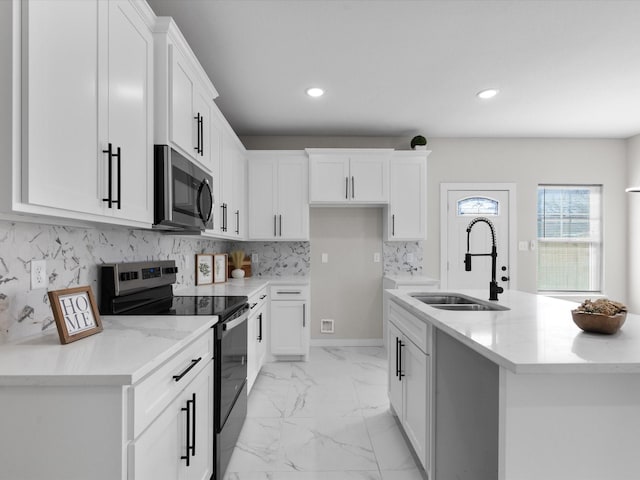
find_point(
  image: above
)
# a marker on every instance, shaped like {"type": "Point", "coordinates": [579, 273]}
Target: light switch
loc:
{"type": "Point", "coordinates": [325, 258]}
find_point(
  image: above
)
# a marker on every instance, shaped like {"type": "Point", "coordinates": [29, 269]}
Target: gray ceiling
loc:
{"type": "Point", "coordinates": [400, 67]}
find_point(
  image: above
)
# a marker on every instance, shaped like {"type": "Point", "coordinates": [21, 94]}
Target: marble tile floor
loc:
{"type": "Point", "coordinates": [325, 419]}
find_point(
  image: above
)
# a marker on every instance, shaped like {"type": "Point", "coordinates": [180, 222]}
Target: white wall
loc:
{"type": "Point", "coordinates": [633, 201]}
{"type": "Point", "coordinates": [348, 288]}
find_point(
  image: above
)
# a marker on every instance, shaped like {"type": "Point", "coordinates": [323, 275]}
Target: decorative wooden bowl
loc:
{"type": "Point", "coordinates": [599, 323]}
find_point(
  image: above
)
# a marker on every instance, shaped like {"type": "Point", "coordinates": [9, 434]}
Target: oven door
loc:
{"type": "Point", "coordinates": [231, 362]}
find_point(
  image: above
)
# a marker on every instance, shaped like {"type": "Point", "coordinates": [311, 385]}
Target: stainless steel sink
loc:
{"type": "Point", "coordinates": [457, 302]}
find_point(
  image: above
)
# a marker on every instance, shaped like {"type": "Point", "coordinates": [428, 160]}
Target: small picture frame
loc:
{"type": "Point", "coordinates": [204, 269]}
{"type": "Point", "coordinates": [75, 312]}
{"type": "Point", "coordinates": [219, 268]}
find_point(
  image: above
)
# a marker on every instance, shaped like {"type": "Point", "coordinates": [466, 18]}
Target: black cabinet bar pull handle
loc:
{"type": "Point", "coordinates": [109, 198]}
{"type": "Point", "coordinates": [187, 409]}
{"type": "Point", "coordinates": [238, 222]}
{"type": "Point", "coordinates": [260, 328]}
{"type": "Point", "coordinates": [393, 225]}
{"type": "Point", "coordinates": [119, 201]}
{"type": "Point", "coordinates": [304, 315]}
{"type": "Point", "coordinates": [353, 187]}
{"type": "Point", "coordinates": [280, 225]}
{"type": "Point", "coordinates": [397, 351]}
{"type": "Point", "coordinates": [400, 374]}
{"type": "Point", "coordinates": [193, 425]}
{"type": "Point", "coordinates": [263, 297]}
{"type": "Point", "coordinates": [193, 363]}
{"type": "Point", "coordinates": [197, 119]}
{"type": "Point", "coordinates": [289, 292]}
{"type": "Point", "coordinates": [275, 225]}
{"type": "Point", "coordinates": [253, 305]}
{"type": "Point", "coordinates": [202, 136]}
{"type": "Point", "coordinates": [346, 188]}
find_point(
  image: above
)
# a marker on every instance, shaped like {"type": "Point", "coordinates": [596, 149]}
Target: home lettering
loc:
{"type": "Point", "coordinates": [77, 313]}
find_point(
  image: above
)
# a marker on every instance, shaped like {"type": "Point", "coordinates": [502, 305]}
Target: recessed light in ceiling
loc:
{"type": "Point", "coordinates": [315, 92]}
{"type": "Point", "coordinates": [488, 93]}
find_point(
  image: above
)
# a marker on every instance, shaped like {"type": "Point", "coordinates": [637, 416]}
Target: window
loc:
{"type": "Point", "coordinates": [477, 206]}
{"type": "Point", "coordinates": [569, 238]}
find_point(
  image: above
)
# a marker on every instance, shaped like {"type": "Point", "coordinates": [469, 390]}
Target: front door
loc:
{"type": "Point", "coordinates": [462, 207]}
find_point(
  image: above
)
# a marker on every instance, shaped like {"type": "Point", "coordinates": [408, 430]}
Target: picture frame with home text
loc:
{"type": "Point", "coordinates": [75, 312]}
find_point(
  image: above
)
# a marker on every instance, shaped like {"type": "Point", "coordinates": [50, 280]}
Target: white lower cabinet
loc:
{"type": "Point", "coordinates": [257, 328]}
{"type": "Point", "coordinates": [179, 443]}
{"type": "Point", "coordinates": [160, 427]}
{"type": "Point", "coordinates": [290, 320]}
{"type": "Point", "coordinates": [409, 348]}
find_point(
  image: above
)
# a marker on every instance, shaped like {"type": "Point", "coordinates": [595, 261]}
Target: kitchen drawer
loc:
{"type": "Point", "coordinates": [416, 330]}
{"type": "Point", "coordinates": [289, 292]}
{"type": "Point", "coordinates": [258, 300]}
{"type": "Point", "coordinates": [158, 390]}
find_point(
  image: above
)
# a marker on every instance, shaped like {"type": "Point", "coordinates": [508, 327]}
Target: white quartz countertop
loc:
{"type": "Point", "coordinates": [537, 334]}
{"type": "Point", "coordinates": [245, 286]}
{"type": "Point", "coordinates": [128, 349]}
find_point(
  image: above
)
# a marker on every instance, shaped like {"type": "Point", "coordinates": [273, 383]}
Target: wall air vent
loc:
{"type": "Point", "coordinates": [326, 325]}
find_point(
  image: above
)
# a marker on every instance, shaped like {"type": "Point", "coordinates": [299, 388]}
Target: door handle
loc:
{"type": "Point", "coordinates": [397, 350]}
{"type": "Point", "coordinates": [353, 187]}
{"type": "Point", "coordinates": [304, 315]}
{"type": "Point", "coordinates": [400, 374]}
{"type": "Point", "coordinates": [346, 188]}
{"type": "Point", "coordinates": [393, 225]}
{"type": "Point", "coordinates": [280, 225]}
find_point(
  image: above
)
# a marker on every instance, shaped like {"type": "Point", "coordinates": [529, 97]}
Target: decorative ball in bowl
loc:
{"type": "Point", "coordinates": [600, 316]}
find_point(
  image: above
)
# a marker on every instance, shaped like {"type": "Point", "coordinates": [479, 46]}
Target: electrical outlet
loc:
{"type": "Point", "coordinates": [254, 258]}
{"type": "Point", "coordinates": [39, 277]}
{"type": "Point", "coordinates": [324, 258]}
{"type": "Point", "coordinates": [410, 257]}
{"type": "Point", "coordinates": [376, 257]}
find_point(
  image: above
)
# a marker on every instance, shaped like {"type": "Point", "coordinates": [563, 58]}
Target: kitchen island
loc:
{"type": "Point", "coordinates": [524, 394]}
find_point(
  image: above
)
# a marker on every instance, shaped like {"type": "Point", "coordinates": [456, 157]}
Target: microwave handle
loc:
{"type": "Point", "coordinates": [205, 216]}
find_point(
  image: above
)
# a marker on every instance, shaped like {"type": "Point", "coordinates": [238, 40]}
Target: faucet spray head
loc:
{"type": "Point", "coordinates": [467, 262]}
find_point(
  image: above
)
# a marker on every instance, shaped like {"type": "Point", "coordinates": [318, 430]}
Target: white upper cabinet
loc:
{"type": "Point", "coordinates": [87, 111]}
{"type": "Point", "coordinates": [406, 217]}
{"type": "Point", "coordinates": [277, 191]}
{"type": "Point", "coordinates": [185, 109]}
{"type": "Point", "coordinates": [349, 176]}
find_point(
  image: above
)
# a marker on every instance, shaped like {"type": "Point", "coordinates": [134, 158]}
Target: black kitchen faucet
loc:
{"type": "Point", "coordinates": [494, 289]}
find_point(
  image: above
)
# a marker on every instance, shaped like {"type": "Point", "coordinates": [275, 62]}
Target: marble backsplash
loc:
{"type": "Point", "coordinates": [397, 258]}
{"type": "Point", "coordinates": [72, 257]}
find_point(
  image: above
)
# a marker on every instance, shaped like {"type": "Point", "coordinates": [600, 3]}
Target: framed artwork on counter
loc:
{"type": "Point", "coordinates": [220, 267]}
{"type": "Point", "coordinates": [204, 269]}
{"type": "Point", "coordinates": [76, 313]}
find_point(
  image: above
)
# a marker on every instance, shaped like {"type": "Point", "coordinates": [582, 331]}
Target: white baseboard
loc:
{"type": "Point", "coordinates": [347, 342]}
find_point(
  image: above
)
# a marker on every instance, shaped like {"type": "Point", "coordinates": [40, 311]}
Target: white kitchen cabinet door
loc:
{"type": "Point", "coordinates": [263, 198]}
{"type": "Point", "coordinates": [293, 203]}
{"type": "Point", "coordinates": [369, 179]}
{"type": "Point", "coordinates": [407, 212]}
{"type": "Point", "coordinates": [415, 418]}
{"type": "Point", "coordinates": [60, 115]}
{"type": "Point", "coordinates": [329, 178]}
{"type": "Point", "coordinates": [239, 170]}
{"type": "Point", "coordinates": [289, 328]}
{"type": "Point", "coordinates": [203, 146]}
{"type": "Point", "coordinates": [262, 337]}
{"type": "Point", "coordinates": [278, 196]}
{"type": "Point", "coordinates": [130, 112]}
{"type": "Point", "coordinates": [182, 125]}
{"type": "Point", "coordinates": [395, 384]}
{"type": "Point", "coordinates": [86, 90]}
{"type": "Point", "coordinates": [158, 453]}
{"type": "Point", "coordinates": [349, 176]}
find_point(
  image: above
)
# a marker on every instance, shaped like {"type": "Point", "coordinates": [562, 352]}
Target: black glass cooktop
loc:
{"type": "Point", "coordinates": [200, 305]}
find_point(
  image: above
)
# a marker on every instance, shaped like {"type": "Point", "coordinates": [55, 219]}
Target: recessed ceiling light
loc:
{"type": "Point", "coordinates": [315, 92]}
{"type": "Point", "coordinates": [488, 93]}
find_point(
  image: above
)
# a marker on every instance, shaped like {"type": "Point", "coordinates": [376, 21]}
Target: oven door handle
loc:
{"type": "Point", "coordinates": [231, 324]}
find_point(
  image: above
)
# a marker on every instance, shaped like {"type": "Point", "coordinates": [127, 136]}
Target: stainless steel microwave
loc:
{"type": "Point", "coordinates": [183, 196]}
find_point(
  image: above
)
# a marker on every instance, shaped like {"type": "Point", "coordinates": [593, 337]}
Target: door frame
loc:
{"type": "Point", "coordinates": [513, 228]}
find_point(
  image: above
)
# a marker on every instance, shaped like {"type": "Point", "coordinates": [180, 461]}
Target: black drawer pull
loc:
{"type": "Point", "coordinates": [263, 297]}
{"type": "Point", "coordinates": [194, 362]}
{"type": "Point", "coordinates": [253, 305]}
{"type": "Point", "coordinates": [289, 292]}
